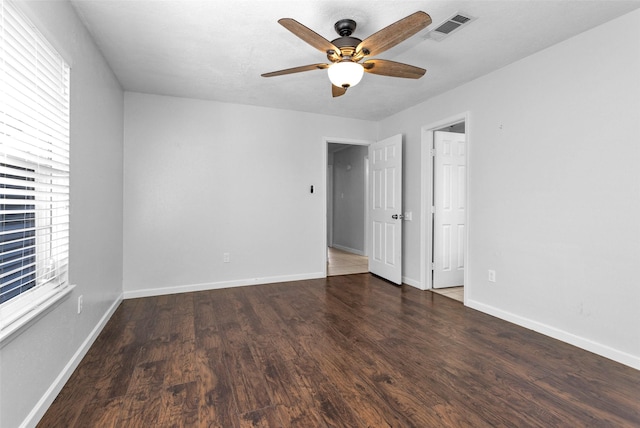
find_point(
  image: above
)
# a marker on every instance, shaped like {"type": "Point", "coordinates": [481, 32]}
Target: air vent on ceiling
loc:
{"type": "Point", "coordinates": [450, 26]}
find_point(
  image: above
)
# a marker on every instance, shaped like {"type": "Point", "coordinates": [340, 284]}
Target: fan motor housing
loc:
{"type": "Point", "coordinates": [346, 42]}
{"type": "Point", "coordinates": [347, 46]}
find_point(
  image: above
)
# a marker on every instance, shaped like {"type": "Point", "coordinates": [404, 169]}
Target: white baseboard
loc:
{"type": "Point", "coordinates": [581, 342]}
{"type": "Point", "coordinates": [412, 282]}
{"type": "Point", "coordinates": [348, 249]}
{"type": "Point", "coordinates": [52, 392]}
{"type": "Point", "coordinates": [148, 292]}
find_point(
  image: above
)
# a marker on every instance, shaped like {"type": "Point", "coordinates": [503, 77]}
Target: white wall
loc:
{"type": "Point", "coordinates": [35, 364]}
{"type": "Point", "coordinates": [349, 181]}
{"type": "Point", "coordinates": [204, 178]}
{"type": "Point", "coordinates": [554, 185]}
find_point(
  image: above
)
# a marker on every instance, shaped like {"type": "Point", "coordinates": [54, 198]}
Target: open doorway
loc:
{"type": "Point", "coordinates": [347, 201]}
{"type": "Point", "coordinates": [445, 205]}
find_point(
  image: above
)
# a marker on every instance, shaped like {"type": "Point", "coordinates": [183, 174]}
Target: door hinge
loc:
{"type": "Point", "coordinates": [432, 152]}
{"type": "Point", "coordinates": [433, 210]}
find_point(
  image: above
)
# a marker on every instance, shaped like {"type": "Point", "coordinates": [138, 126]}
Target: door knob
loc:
{"type": "Point", "coordinates": [397, 216]}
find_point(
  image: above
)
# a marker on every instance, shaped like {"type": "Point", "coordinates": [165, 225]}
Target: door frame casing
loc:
{"type": "Point", "coordinates": [325, 160]}
{"type": "Point", "coordinates": [329, 199]}
{"type": "Point", "coordinates": [426, 198]}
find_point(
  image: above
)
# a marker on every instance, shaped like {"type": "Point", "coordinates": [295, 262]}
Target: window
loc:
{"type": "Point", "coordinates": [17, 233]}
{"type": "Point", "coordinates": [34, 172]}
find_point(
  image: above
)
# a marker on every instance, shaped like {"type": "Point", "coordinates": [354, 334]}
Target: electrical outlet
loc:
{"type": "Point", "coordinates": [226, 257]}
{"type": "Point", "coordinates": [492, 275]}
{"type": "Point", "coordinates": [80, 303]}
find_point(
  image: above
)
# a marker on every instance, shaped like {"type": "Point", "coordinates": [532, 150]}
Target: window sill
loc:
{"type": "Point", "coordinates": [16, 316]}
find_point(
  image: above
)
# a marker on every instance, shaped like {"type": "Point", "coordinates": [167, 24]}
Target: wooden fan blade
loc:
{"type": "Point", "coordinates": [393, 69]}
{"type": "Point", "coordinates": [296, 70]}
{"type": "Point", "coordinates": [337, 91]}
{"type": "Point", "coordinates": [308, 35]}
{"type": "Point", "coordinates": [395, 33]}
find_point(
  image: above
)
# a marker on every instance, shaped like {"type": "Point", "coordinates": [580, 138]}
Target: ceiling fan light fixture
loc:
{"type": "Point", "coordinates": [345, 74]}
{"type": "Point", "coordinates": [345, 52]}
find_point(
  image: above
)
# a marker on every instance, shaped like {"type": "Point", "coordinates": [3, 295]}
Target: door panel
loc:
{"type": "Point", "coordinates": [449, 201]}
{"type": "Point", "coordinates": [385, 168]}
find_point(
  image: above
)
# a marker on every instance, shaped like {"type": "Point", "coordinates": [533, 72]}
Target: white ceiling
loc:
{"type": "Point", "coordinates": [217, 49]}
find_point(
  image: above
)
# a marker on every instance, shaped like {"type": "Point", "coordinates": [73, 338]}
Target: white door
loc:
{"type": "Point", "coordinates": [385, 212]}
{"type": "Point", "coordinates": [449, 168]}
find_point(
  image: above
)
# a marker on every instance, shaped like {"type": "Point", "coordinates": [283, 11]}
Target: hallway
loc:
{"type": "Point", "coordinates": [341, 262]}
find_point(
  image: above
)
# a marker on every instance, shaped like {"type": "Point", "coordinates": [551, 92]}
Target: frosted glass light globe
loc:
{"type": "Point", "coordinates": [345, 74]}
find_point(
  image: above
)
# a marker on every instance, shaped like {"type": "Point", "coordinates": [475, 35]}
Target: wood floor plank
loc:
{"type": "Point", "coordinates": [104, 414]}
{"type": "Point", "coordinates": [346, 351]}
{"type": "Point", "coordinates": [295, 400]}
{"type": "Point", "coordinates": [263, 418]}
{"type": "Point", "coordinates": [608, 404]}
{"type": "Point", "coordinates": [143, 404]}
{"type": "Point", "coordinates": [250, 386]}
{"type": "Point", "coordinates": [180, 405]}
{"type": "Point", "coordinates": [67, 407]}
{"type": "Point", "coordinates": [350, 377]}
{"type": "Point", "coordinates": [181, 348]}
{"type": "Point", "coordinates": [206, 328]}
{"type": "Point", "coordinates": [216, 403]}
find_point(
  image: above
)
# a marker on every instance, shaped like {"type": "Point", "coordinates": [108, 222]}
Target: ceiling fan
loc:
{"type": "Point", "coordinates": [346, 52]}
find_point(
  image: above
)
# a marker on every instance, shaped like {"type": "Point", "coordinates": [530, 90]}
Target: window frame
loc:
{"type": "Point", "coordinates": [20, 311]}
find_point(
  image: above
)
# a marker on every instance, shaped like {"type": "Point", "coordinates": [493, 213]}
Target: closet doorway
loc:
{"type": "Point", "coordinates": [445, 207]}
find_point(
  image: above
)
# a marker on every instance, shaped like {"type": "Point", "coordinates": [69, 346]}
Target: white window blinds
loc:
{"type": "Point", "coordinates": [34, 160]}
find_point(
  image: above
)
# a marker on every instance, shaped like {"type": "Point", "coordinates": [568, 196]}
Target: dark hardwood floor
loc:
{"type": "Point", "coordinates": [348, 351]}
